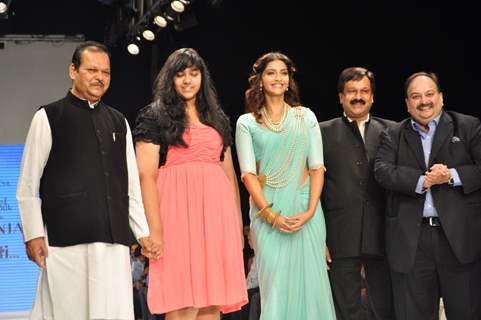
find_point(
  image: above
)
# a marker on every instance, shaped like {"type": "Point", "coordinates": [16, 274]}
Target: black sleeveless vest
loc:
{"type": "Point", "coordinates": [84, 186]}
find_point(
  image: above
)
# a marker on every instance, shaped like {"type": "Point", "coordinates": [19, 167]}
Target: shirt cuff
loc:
{"type": "Point", "coordinates": [31, 216]}
{"type": "Point", "coordinates": [419, 186]}
{"type": "Point", "coordinates": [455, 176]}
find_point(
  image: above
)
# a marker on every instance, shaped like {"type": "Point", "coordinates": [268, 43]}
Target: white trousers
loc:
{"type": "Point", "coordinates": [85, 282]}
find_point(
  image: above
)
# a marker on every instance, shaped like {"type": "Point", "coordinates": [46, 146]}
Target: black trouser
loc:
{"type": "Point", "coordinates": [437, 273]}
{"type": "Point", "coordinates": [346, 282]}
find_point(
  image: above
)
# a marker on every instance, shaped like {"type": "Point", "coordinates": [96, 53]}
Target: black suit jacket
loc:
{"type": "Point", "coordinates": [398, 166]}
{"type": "Point", "coordinates": [352, 200]}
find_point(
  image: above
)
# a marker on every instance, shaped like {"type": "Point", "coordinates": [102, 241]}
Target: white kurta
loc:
{"type": "Point", "coordinates": [86, 281]}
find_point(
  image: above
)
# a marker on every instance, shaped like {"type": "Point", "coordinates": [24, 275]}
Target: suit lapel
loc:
{"type": "Point", "coordinates": [372, 136]}
{"type": "Point", "coordinates": [443, 130]}
{"type": "Point", "coordinates": [413, 140]}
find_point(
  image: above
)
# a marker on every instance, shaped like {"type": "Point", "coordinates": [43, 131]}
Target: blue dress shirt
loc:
{"type": "Point", "coordinates": [427, 142]}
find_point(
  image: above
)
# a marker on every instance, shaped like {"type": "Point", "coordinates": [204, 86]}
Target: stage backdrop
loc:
{"type": "Point", "coordinates": [34, 71]}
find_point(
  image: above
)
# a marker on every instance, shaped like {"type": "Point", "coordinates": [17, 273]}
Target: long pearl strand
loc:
{"type": "Point", "coordinates": [278, 174]}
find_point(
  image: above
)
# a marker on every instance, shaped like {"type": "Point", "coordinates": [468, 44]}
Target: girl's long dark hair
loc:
{"type": "Point", "coordinates": [170, 107]}
{"type": "Point", "coordinates": [254, 96]}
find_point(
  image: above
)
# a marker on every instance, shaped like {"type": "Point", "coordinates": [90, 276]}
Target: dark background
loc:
{"type": "Point", "coordinates": [391, 38]}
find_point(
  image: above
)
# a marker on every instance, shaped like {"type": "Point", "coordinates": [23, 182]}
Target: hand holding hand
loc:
{"type": "Point", "coordinates": [152, 248]}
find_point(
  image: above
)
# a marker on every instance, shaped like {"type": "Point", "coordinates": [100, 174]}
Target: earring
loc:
{"type": "Point", "coordinates": [287, 89]}
{"type": "Point", "coordinates": [260, 87]}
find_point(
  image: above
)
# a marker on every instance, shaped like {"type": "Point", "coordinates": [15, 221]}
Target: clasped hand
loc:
{"type": "Point", "coordinates": [294, 223]}
{"type": "Point", "coordinates": [437, 174]}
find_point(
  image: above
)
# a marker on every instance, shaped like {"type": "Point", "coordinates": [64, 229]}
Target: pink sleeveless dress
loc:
{"type": "Point", "coordinates": [203, 261]}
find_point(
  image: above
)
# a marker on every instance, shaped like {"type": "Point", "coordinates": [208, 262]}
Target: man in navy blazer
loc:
{"type": "Point", "coordinates": [430, 164]}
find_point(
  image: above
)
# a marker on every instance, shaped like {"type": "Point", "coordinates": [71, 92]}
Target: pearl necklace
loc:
{"type": "Point", "coordinates": [270, 124]}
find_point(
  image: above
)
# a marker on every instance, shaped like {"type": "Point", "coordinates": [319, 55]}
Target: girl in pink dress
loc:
{"type": "Point", "coordinates": [190, 195]}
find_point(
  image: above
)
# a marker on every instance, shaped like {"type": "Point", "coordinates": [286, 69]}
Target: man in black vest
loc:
{"type": "Point", "coordinates": [78, 193]}
{"type": "Point", "coordinates": [353, 202]}
{"type": "Point", "coordinates": [430, 163]}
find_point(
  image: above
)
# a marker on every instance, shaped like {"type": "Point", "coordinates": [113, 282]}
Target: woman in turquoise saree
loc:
{"type": "Point", "coordinates": [279, 148]}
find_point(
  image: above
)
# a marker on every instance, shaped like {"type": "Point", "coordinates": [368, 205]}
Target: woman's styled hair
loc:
{"type": "Point", "coordinates": [166, 114]}
{"type": "Point", "coordinates": [254, 96]}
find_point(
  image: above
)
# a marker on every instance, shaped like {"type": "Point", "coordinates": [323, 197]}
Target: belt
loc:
{"type": "Point", "coordinates": [432, 221]}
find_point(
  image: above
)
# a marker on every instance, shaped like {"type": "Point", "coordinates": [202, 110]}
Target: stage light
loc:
{"type": "Point", "coordinates": [148, 35]}
{"type": "Point", "coordinates": [133, 49]}
{"type": "Point", "coordinates": [4, 7]}
{"type": "Point", "coordinates": [134, 45]}
{"type": "Point", "coordinates": [160, 21]}
{"type": "Point", "coordinates": [140, 21]}
{"type": "Point", "coordinates": [173, 10]}
{"type": "Point", "coordinates": [150, 29]}
{"type": "Point", "coordinates": [177, 6]}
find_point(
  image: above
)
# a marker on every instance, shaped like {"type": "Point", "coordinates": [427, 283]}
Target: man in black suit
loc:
{"type": "Point", "coordinates": [431, 165]}
{"type": "Point", "coordinates": [353, 202]}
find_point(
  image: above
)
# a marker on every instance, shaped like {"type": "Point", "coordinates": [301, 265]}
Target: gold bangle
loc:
{"type": "Point", "coordinates": [262, 211]}
{"type": "Point", "coordinates": [265, 213]}
{"type": "Point", "coordinates": [269, 215]}
{"type": "Point", "coordinates": [275, 225]}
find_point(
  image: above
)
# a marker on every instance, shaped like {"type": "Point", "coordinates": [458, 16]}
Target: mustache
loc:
{"type": "Point", "coordinates": [354, 101]}
{"type": "Point", "coordinates": [100, 82]}
{"type": "Point", "coordinates": [422, 105]}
